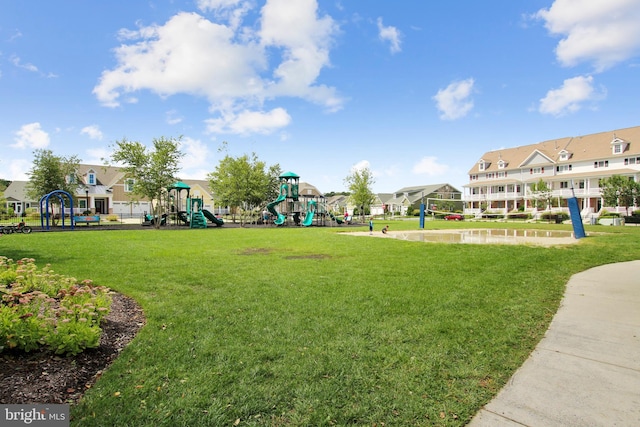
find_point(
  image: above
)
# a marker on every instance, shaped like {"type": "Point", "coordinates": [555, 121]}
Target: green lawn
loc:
{"type": "Point", "coordinates": [304, 326]}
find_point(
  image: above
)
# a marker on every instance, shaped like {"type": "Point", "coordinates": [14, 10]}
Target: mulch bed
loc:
{"type": "Point", "coordinates": [39, 377]}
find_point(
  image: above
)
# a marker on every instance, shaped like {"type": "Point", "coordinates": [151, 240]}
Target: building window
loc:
{"type": "Point", "coordinates": [563, 168]}
{"type": "Point", "coordinates": [91, 178]}
{"type": "Point", "coordinates": [536, 170]}
{"type": "Point", "coordinates": [632, 161]}
{"type": "Point", "coordinates": [617, 148]}
{"type": "Point", "coordinates": [128, 185]}
{"type": "Point", "coordinates": [601, 164]}
{"type": "Point", "coordinates": [564, 184]}
{"type": "Point", "coordinates": [481, 165]}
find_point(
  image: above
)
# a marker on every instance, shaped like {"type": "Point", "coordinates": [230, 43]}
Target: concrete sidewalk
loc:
{"type": "Point", "coordinates": [586, 370]}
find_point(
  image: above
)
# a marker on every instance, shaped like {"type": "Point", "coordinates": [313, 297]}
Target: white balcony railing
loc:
{"type": "Point", "coordinates": [563, 193]}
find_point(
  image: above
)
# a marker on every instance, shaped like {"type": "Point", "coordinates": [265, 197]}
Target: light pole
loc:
{"type": "Point", "coordinates": [86, 195]}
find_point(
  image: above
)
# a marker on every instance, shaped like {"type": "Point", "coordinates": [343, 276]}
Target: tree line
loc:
{"type": "Point", "coordinates": [242, 183]}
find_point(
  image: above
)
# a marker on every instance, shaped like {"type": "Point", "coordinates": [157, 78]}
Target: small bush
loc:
{"type": "Point", "coordinates": [607, 214]}
{"type": "Point", "coordinates": [43, 310]}
{"type": "Point", "coordinates": [518, 215]}
{"type": "Point", "coordinates": [112, 217]}
{"type": "Point", "coordinates": [551, 216]}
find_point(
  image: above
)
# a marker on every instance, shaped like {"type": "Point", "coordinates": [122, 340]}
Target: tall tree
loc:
{"type": "Point", "coordinates": [618, 190]}
{"type": "Point", "coordinates": [542, 195]}
{"type": "Point", "coordinates": [359, 183]}
{"type": "Point", "coordinates": [51, 172]}
{"type": "Point", "coordinates": [243, 182]}
{"type": "Point", "coordinates": [152, 170]}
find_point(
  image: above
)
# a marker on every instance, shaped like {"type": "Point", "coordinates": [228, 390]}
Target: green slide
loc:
{"type": "Point", "coordinates": [311, 209]}
{"type": "Point", "coordinates": [211, 217]}
{"type": "Point", "coordinates": [284, 188]}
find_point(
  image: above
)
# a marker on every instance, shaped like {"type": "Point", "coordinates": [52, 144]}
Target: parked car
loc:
{"type": "Point", "coordinates": [454, 217]}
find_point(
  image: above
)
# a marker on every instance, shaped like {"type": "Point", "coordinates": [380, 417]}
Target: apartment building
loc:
{"type": "Point", "coordinates": [502, 181]}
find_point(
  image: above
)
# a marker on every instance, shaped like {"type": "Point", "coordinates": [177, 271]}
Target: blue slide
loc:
{"type": "Point", "coordinates": [284, 189]}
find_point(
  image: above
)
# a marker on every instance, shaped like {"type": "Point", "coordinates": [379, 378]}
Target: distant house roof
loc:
{"type": "Point", "coordinates": [307, 190]}
{"type": "Point", "coordinates": [17, 191]}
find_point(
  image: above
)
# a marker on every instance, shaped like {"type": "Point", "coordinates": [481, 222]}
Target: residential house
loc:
{"type": "Point", "coordinates": [105, 190]}
{"type": "Point", "coordinates": [503, 180]}
{"type": "Point", "coordinates": [436, 197]}
{"type": "Point", "coordinates": [17, 198]}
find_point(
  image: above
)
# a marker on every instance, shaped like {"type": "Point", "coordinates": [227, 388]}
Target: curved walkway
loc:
{"type": "Point", "coordinates": [586, 370]}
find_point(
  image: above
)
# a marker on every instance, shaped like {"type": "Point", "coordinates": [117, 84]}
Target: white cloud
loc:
{"type": "Point", "coordinates": [196, 154]}
{"type": "Point", "coordinates": [247, 122]}
{"type": "Point", "coordinates": [31, 136]}
{"type": "Point", "coordinates": [18, 63]}
{"type": "Point", "coordinates": [235, 67]}
{"type": "Point", "coordinates": [570, 96]}
{"type": "Point", "coordinates": [96, 156]}
{"type": "Point", "coordinates": [455, 101]}
{"type": "Point", "coordinates": [604, 33]}
{"type": "Point", "coordinates": [389, 34]}
{"type": "Point", "coordinates": [361, 165]}
{"type": "Point", "coordinates": [206, 5]}
{"type": "Point", "coordinates": [17, 170]}
{"type": "Point", "coordinates": [92, 132]}
{"type": "Point", "coordinates": [429, 166]}
{"type": "Point", "coordinates": [173, 118]}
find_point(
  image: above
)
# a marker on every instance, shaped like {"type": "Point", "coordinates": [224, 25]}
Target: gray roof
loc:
{"type": "Point", "coordinates": [17, 192]}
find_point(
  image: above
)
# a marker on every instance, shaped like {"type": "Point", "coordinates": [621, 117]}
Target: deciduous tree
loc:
{"type": "Point", "coordinates": [152, 170]}
{"type": "Point", "coordinates": [359, 183]}
{"type": "Point", "coordinates": [542, 195]}
{"type": "Point", "coordinates": [243, 182]}
{"type": "Point", "coordinates": [51, 172]}
{"type": "Point", "coordinates": [618, 190]}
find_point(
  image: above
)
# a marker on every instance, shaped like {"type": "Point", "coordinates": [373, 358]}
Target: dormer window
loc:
{"type": "Point", "coordinates": [91, 178]}
{"type": "Point", "coordinates": [564, 155]}
{"type": "Point", "coordinates": [501, 164]}
{"type": "Point", "coordinates": [482, 165]}
{"type": "Point", "coordinates": [618, 146]}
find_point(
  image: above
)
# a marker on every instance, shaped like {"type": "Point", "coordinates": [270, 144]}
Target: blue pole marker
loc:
{"type": "Point", "coordinates": [576, 219]}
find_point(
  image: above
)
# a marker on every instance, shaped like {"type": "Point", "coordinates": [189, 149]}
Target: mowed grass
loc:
{"type": "Point", "coordinates": [307, 327]}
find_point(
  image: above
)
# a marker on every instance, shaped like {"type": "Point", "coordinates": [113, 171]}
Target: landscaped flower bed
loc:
{"type": "Point", "coordinates": [42, 310]}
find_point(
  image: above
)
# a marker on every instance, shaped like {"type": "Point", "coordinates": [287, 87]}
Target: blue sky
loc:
{"type": "Point", "coordinates": [417, 91]}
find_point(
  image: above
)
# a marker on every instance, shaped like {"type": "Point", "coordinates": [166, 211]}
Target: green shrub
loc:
{"type": "Point", "coordinates": [518, 215]}
{"type": "Point", "coordinates": [551, 216]}
{"type": "Point", "coordinates": [43, 310]}
{"type": "Point", "coordinates": [112, 217]}
{"type": "Point", "coordinates": [607, 214]}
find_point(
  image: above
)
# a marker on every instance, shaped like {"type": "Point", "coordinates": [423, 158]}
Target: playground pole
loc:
{"type": "Point", "coordinates": [422, 211]}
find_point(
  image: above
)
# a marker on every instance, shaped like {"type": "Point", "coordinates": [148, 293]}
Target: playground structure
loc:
{"type": "Point", "coordinates": [292, 206]}
{"type": "Point", "coordinates": [45, 215]}
{"type": "Point", "coordinates": [192, 213]}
